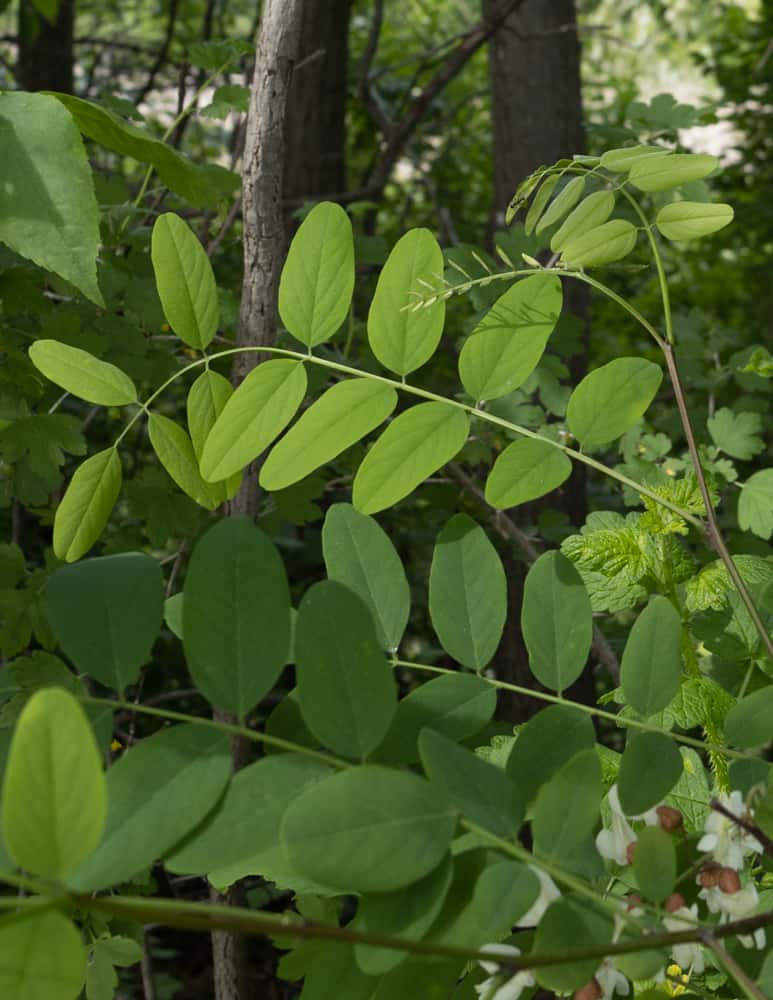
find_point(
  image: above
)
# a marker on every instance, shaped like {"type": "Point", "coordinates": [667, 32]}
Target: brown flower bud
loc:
{"type": "Point", "coordinates": [729, 881]}
{"type": "Point", "coordinates": [674, 902]}
{"type": "Point", "coordinates": [633, 899]}
{"type": "Point", "coordinates": [708, 877]}
{"type": "Point", "coordinates": [670, 818]}
{"type": "Point", "coordinates": [590, 991]}
{"type": "Point", "coordinates": [629, 852]}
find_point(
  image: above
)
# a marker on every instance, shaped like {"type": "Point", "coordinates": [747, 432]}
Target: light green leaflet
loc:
{"type": "Point", "coordinates": [345, 413]}
{"type": "Point", "coordinates": [602, 245]}
{"type": "Point", "coordinates": [661, 173]}
{"type": "Point", "coordinates": [414, 445]}
{"type": "Point", "coordinates": [86, 505]}
{"type": "Point", "coordinates": [185, 282]}
{"type": "Point", "coordinates": [590, 213]}
{"type": "Point", "coordinates": [541, 198]}
{"type": "Point", "coordinates": [403, 339]}
{"type": "Point", "coordinates": [206, 399]}
{"type": "Point", "coordinates": [259, 410]}
{"type": "Point", "coordinates": [505, 347]}
{"type": "Point", "coordinates": [610, 400]}
{"type": "Point", "coordinates": [81, 374]}
{"type": "Point", "coordinates": [620, 161]}
{"type": "Point", "coordinates": [563, 203]}
{"type": "Point", "coordinates": [175, 452]}
{"type": "Point", "coordinates": [467, 593]}
{"type": "Point", "coordinates": [43, 957]}
{"type": "Point", "coordinates": [689, 220]}
{"type": "Point", "coordinates": [49, 215]}
{"type": "Point", "coordinates": [652, 662]}
{"type": "Point", "coordinates": [54, 796]}
{"type": "Point", "coordinates": [315, 290]}
{"type": "Point", "coordinates": [526, 470]}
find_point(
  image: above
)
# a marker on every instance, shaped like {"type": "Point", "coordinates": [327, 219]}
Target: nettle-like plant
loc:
{"type": "Point", "coordinates": [422, 865]}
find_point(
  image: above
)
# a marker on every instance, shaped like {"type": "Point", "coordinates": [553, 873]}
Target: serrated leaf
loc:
{"type": "Point", "coordinates": [651, 669]}
{"type": "Point", "coordinates": [509, 341]}
{"type": "Point", "coordinates": [620, 161]}
{"type": "Point", "coordinates": [338, 419]}
{"type": "Point", "coordinates": [526, 470]}
{"type": "Point", "coordinates": [755, 505]}
{"type": "Point", "coordinates": [315, 289]}
{"type": "Point", "coordinates": [416, 444]}
{"type": "Point", "coordinates": [86, 505]}
{"type": "Point", "coordinates": [590, 213]}
{"type": "Point", "coordinates": [736, 433]}
{"type": "Point", "coordinates": [175, 452]}
{"type": "Point", "coordinates": [259, 410]}
{"type": "Point", "coordinates": [49, 216]}
{"type": "Point", "coordinates": [689, 220]}
{"type": "Point", "coordinates": [661, 173]}
{"type": "Point", "coordinates": [603, 244]}
{"type": "Point", "coordinates": [402, 338]}
{"type": "Point", "coordinates": [81, 374]}
{"type": "Point", "coordinates": [185, 281]}
{"type": "Point", "coordinates": [564, 202]}
{"type": "Point", "coordinates": [467, 593]}
{"type": "Point", "coordinates": [610, 400]}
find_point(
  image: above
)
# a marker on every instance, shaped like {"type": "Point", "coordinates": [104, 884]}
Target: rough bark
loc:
{"type": "Point", "coordinates": [534, 65]}
{"type": "Point", "coordinates": [45, 60]}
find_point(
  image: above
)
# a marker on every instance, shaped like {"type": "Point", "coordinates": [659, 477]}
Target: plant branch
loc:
{"type": "Point", "coordinates": [752, 828]}
{"type": "Point", "coordinates": [750, 988]}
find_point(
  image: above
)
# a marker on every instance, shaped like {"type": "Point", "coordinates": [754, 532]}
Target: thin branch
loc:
{"type": "Point", "coordinates": [163, 52]}
{"type": "Point", "coordinates": [750, 988]}
{"type": "Point", "coordinates": [229, 220]}
{"type": "Point", "coordinates": [752, 828]}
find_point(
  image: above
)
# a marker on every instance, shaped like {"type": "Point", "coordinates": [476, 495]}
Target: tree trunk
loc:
{"type": "Point", "coordinates": [534, 65]}
{"type": "Point", "coordinates": [315, 127]}
{"type": "Point", "coordinates": [45, 59]}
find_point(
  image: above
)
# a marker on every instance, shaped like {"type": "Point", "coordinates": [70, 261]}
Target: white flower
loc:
{"type": "Point", "coordinates": [689, 955]}
{"type": "Point", "coordinates": [499, 985]}
{"type": "Point", "coordinates": [736, 906]}
{"type": "Point", "coordinates": [548, 891]}
{"type": "Point", "coordinates": [611, 980]}
{"type": "Point", "coordinates": [613, 843]}
{"type": "Point", "coordinates": [727, 841]}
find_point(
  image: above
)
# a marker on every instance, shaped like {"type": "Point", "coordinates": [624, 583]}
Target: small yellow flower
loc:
{"type": "Point", "coordinates": [677, 981]}
{"type": "Point", "coordinates": [165, 328]}
{"type": "Point", "coordinates": [116, 745]}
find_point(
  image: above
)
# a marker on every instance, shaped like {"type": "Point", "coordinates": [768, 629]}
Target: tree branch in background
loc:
{"type": "Point", "coordinates": [162, 55]}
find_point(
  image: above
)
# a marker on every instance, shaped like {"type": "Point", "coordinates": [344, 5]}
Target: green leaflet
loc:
{"type": "Point", "coordinates": [556, 620]}
{"type": "Point", "coordinates": [259, 410]}
{"type": "Point", "coordinates": [86, 505]}
{"type": "Point", "coordinates": [206, 399]}
{"type": "Point", "coordinates": [481, 791]}
{"type": "Point", "coordinates": [526, 470]}
{"type": "Point", "coordinates": [236, 615]}
{"type": "Point", "coordinates": [689, 220]}
{"type": "Point", "coordinates": [755, 505]}
{"type": "Point", "coordinates": [563, 203]}
{"type": "Point", "coordinates": [202, 187]}
{"type": "Point", "coordinates": [48, 215]}
{"type": "Point", "coordinates": [106, 615]}
{"type": "Point", "coordinates": [650, 767]}
{"type": "Point", "coordinates": [654, 864]}
{"type": "Point", "coordinates": [651, 670]}
{"type": "Point", "coordinates": [610, 400]}
{"type": "Point", "coordinates": [603, 244]}
{"type": "Point", "coordinates": [620, 161]}
{"type": "Point", "coordinates": [541, 198]}
{"type": "Point", "coordinates": [81, 374]}
{"type": "Point", "coordinates": [346, 687]}
{"type": "Point", "coordinates": [359, 554]}
{"type": "Point", "coordinates": [160, 790]}
{"type": "Point", "coordinates": [590, 213]}
{"type": "Point", "coordinates": [750, 722]}
{"type": "Point", "coordinates": [368, 829]}
{"type": "Point", "coordinates": [54, 798]}
{"type": "Point", "coordinates": [661, 173]}
{"type": "Point", "coordinates": [403, 339]}
{"type": "Point", "coordinates": [315, 289]}
{"type": "Point", "coordinates": [175, 452]}
{"type": "Point", "coordinates": [240, 836]}
{"type": "Point", "coordinates": [43, 957]}
{"type": "Point", "coordinates": [345, 413]}
{"type": "Point", "coordinates": [467, 593]}
{"type": "Point", "coordinates": [414, 445]}
{"type": "Point", "coordinates": [566, 809]}
{"type": "Point", "coordinates": [507, 344]}
{"type": "Point", "coordinates": [457, 705]}
{"type": "Point", "coordinates": [570, 919]}
{"type": "Point", "coordinates": [185, 282]}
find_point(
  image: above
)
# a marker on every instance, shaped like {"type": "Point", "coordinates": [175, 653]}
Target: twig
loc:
{"type": "Point", "coordinates": [229, 220]}
{"type": "Point", "coordinates": [146, 966]}
{"type": "Point", "coordinates": [163, 52]}
{"type": "Point", "coordinates": [749, 987]}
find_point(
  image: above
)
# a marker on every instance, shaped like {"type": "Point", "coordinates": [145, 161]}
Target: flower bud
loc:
{"type": "Point", "coordinates": [670, 818]}
{"type": "Point", "coordinates": [708, 877]}
{"type": "Point", "coordinates": [674, 902]}
{"type": "Point", "coordinates": [633, 899]}
{"type": "Point", "coordinates": [629, 852]}
{"type": "Point", "coordinates": [590, 991]}
{"type": "Point", "coordinates": [729, 881]}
